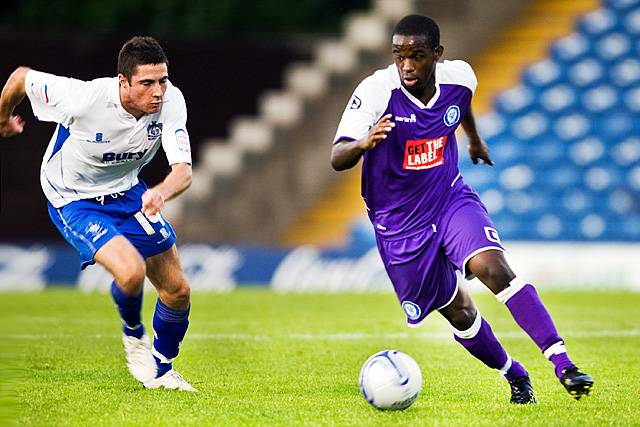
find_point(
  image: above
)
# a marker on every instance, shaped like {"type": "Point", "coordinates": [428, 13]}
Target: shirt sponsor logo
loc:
{"type": "Point", "coordinates": [99, 139]}
{"type": "Point", "coordinates": [410, 119]}
{"type": "Point", "coordinates": [411, 309]}
{"type": "Point", "coordinates": [154, 130]}
{"type": "Point", "coordinates": [182, 138]}
{"type": "Point", "coordinates": [452, 115]}
{"type": "Point", "coordinates": [123, 157]}
{"type": "Point", "coordinates": [424, 153]}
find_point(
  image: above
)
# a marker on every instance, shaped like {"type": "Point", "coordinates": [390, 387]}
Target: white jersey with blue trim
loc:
{"type": "Point", "coordinates": [98, 148]}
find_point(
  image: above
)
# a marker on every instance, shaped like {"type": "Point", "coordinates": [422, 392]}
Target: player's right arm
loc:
{"type": "Point", "coordinates": [13, 93]}
{"type": "Point", "coordinates": [362, 126]}
{"type": "Point", "coordinates": [345, 154]}
{"type": "Point", "coordinates": [53, 98]}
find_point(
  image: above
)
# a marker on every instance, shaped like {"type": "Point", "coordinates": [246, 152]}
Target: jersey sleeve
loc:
{"type": "Point", "coordinates": [365, 107]}
{"type": "Point", "coordinates": [54, 98]}
{"type": "Point", "coordinates": [459, 72]}
{"type": "Point", "coordinates": [175, 139]}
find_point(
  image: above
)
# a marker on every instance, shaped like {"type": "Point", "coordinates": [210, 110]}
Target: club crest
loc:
{"type": "Point", "coordinates": [154, 130]}
{"type": "Point", "coordinates": [412, 310]}
{"type": "Point", "coordinates": [452, 115]}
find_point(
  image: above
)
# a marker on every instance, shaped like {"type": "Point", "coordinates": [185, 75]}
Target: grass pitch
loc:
{"type": "Point", "coordinates": [260, 358]}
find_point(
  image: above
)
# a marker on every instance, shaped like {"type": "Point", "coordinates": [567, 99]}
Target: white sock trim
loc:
{"type": "Point", "coordinates": [514, 287]}
{"type": "Point", "coordinates": [132, 328]}
{"type": "Point", "coordinates": [557, 348]}
{"type": "Point", "coordinates": [160, 356]}
{"type": "Point", "coordinates": [472, 331]}
{"type": "Point", "coordinates": [503, 371]}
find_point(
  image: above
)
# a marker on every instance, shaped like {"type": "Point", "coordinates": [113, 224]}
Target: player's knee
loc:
{"type": "Point", "coordinates": [183, 294]}
{"type": "Point", "coordinates": [178, 296]}
{"type": "Point", "coordinates": [460, 314]}
{"type": "Point", "coordinates": [496, 277]}
{"type": "Point", "coordinates": [463, 319]}
{"type": "Point", "coordinates": [131, 277]}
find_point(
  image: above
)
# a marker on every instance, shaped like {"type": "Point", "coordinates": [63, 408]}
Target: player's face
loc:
{"type": "Point", "coordinates": [416, 63]}
{"type": "Point", "coordinates": [144, 93]}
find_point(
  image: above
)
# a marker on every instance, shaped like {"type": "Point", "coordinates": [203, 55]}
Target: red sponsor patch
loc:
{"type": "Point", "coordinates": [183, 140]}
{"type": "Point", "coordinates": [424, 153]}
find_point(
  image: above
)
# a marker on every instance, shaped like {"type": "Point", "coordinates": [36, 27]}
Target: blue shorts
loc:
{"type": "Point", "coordinates": [90, 223]}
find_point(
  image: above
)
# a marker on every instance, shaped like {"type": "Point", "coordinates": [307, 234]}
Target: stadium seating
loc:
{"type": "Point", "coordinates": [566, 139]}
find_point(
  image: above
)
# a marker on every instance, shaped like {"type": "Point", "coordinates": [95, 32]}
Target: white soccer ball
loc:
{"type": "Point", "coordinates": [390, 380]}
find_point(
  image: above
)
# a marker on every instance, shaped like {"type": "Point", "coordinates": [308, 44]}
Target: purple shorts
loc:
{"type": "Point", "coordinates": [424, 267]}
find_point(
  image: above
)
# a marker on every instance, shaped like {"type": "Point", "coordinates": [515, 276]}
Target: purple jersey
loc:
{"type": "Point", "coordinates": [408, 178]}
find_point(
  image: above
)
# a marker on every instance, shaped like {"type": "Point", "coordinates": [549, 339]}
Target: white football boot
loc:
{"type": "Point", "coordinates": [140, 361]}
{"type": "Point", "coordinates": [171, 380]}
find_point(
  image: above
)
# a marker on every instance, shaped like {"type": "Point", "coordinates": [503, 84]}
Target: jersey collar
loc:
{"type": "Point", "coordinates": [415, 100]}
{"type": "Point", "coordinates": [115, 99]}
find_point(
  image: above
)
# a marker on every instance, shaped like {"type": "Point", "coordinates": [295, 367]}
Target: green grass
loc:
{"type": "Point", "coordinates": [261, 358]}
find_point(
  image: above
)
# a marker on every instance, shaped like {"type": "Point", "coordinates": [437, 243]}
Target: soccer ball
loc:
{"type": "Point", "coordinates": [390, 380]}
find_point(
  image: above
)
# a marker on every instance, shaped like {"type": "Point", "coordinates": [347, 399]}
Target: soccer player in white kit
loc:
{"type": "Point", "coordinates": [108, 129]}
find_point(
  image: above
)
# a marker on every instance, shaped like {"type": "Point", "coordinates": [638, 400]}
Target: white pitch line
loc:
{"type": "Point", "coordinates": [359, 336]}
{"type": "Point", "coordinates": [342, 336]}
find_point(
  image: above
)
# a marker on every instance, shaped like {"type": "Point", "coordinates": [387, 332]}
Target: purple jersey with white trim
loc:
{"type": "Point", "coordinates": [408, 177]}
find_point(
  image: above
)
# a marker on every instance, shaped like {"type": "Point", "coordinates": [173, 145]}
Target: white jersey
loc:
{"type": "Point", "coordinates": [99, 148]}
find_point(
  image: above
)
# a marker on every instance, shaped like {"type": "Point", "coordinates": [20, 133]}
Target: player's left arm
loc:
{"type": "Point", "coordinates": [478, 149]}
{"type": "Point", "coordinates": [177, 147]}
{"type": "Point", "coordinates": [178, 180]}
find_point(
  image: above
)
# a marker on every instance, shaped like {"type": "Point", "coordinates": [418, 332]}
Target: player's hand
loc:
{"type": "Point", "coordinates": [478, 150]}
{"type": "Point", "coordinates": [377, 133]}
{"type": "Point", "coordinates": [152, 202]}
{"type": "Point", "coordinates": [13, 126]}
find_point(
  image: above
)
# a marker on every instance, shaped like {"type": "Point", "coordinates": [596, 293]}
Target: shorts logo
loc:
{"type": "Point", "coordinates": [424, 153]}
{"type": "Point", "coordinates": [411, 310]}
{"type": "Point", "coordinates": [355, 103]}
{"type": "Point", "coordinates": [154, 130]}
{"type": "Point", "coordinates": [492, 235]}
{"type": "Point", "coordinates": [95, 230]}
{"type": "Point", "coordinates": [452, 115]}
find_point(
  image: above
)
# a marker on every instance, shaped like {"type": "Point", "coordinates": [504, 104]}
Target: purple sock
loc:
{"type": "Point", "coordinates": [561, 362]}
{"type": "Point", "coordinates": [170, 327]}
{"type": "Point", "coordinates": [129, 307]}
{"type": "Point", "coordinates": [480, 341]}
{"type": "Point", "coordinates": [530, 314]}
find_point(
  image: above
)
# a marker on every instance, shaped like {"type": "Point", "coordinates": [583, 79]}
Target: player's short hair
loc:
{"type": "Point", "coordinates": [418, 25]}
{"type": "Point", "coordinates": [139, 50]}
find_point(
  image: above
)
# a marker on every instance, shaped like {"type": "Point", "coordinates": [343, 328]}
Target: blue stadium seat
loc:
{"type": "Point", "coordinates": [625, 73]}
{"type": "Point", "coordinates": [543, 74]}
{"type": "Point", "coordinates": [566, 139]}
{"type": "Point", "coordinates": [599, 22]}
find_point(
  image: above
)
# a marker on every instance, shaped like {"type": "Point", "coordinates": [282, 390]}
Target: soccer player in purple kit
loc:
{"type": "Point", "coordinates": [431, 228]}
